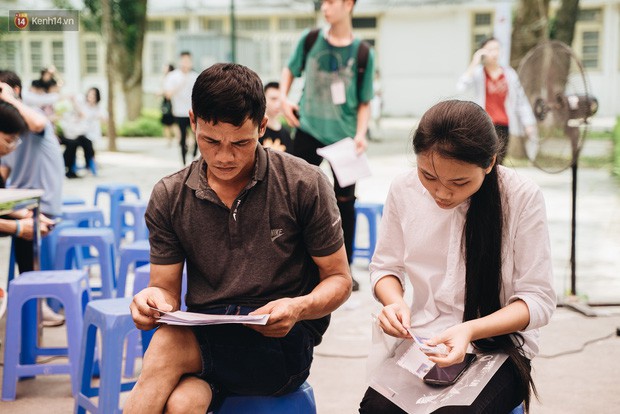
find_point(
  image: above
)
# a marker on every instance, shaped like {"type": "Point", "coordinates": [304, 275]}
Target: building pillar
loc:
{"type": "Point", "coordinates": [73, 72]}
{"type": "Point", "coordinates": [502, 30]}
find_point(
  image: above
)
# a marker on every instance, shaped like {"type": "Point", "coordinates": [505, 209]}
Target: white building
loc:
{"type": "Point", "coordinates": [422, 45]}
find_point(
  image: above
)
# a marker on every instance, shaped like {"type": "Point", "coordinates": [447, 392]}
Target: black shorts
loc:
{"type": "Point", "coordinates": [239, 360]}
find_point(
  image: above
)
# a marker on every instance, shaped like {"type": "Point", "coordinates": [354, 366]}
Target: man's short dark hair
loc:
{"type": "Point", "coordinates": [272, 85]}
{"type": "Point", "coordinates": [9, 77]}
{"type": "Point", "coordinates": [230, 93]}
{"type": "Point", "coordinates": [185, 53]}
{"type": "Point", "coordinates": [11, 121]}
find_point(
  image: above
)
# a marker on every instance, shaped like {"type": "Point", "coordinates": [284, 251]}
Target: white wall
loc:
{"type": "Point", "coordinates": [424, 51]}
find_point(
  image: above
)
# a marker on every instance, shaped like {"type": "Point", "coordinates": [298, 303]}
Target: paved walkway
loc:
{"type": "Point", "coordinates": [578, 370]}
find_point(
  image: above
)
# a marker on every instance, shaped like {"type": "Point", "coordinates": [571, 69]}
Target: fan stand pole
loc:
{"type": "Point", "coordinates": [573, 301]}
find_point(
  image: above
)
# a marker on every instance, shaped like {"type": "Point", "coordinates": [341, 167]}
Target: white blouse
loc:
{"type": "Point", "coordinates": [424, 242]}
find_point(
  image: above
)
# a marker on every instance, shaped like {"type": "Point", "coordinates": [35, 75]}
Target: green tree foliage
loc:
{"type": "Point", "coordinates": [128, 28]}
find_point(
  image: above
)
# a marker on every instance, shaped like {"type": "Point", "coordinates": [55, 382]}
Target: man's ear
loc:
{"type": "Point", "coordinates": [192, 121]}
{"type": "Point", "coordinates": [262, 127]}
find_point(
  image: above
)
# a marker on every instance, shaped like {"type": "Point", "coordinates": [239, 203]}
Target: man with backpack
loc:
{"type": "Point", "coordinates": [338, 70]}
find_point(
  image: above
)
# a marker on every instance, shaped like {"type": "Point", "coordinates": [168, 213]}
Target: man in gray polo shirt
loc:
{"type": "Point", "coordinates": [260, 232]}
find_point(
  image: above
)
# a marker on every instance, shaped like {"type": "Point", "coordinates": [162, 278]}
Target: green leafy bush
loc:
{"type": "Point", "coordinates": [147, 125]}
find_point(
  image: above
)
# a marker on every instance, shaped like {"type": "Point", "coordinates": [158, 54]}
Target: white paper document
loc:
{"type": "Point", "coordinates": [348, 165]}
{"type": "Point", "coordinates": [193, 318]}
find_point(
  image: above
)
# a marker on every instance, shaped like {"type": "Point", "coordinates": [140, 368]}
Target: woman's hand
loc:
{"type": "Point", "coordinates": [457, 340]}
{"type": "Point", "coordinates": [395, 319]}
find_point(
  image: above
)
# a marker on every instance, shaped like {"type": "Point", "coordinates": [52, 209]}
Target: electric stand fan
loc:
{"type": "Point", "coordinates": [555, 83]}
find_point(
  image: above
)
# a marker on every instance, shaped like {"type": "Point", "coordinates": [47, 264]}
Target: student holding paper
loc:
{"type": "Point", "coordinates": [472, 237]}
{"type": "Point", "coordinates": [260, 233]}
{"type": "Point", "coordinates": [335, 103]}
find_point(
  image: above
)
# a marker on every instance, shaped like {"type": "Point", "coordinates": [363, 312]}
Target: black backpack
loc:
{"type": "Point", "coordinates": [362, 57]}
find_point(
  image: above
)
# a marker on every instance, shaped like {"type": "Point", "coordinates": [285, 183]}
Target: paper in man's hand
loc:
{"type": "Point", "coordinates": [348, 165]}
{"type": "Point", "coordinates": [192, 318]}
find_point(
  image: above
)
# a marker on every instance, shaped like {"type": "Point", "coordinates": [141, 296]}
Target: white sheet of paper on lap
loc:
{"type": "Point", "coordinates": [193, 318]}
{"type": "Point", "coordinates": [348, 165]}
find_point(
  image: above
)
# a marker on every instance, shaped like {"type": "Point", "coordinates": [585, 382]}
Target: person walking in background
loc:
{"type": "Point", "coordinates": [335, 100]}
{"type": "Point", "coordinates": [472, 238]}
{"type": "Point", "coordinates": [178, 86]}
{"type": "Point", "coordinates": [276, 136]}
{"type": "Point", "coordinates": [497, 89]}
{"type": "Point", "coordinates": [87, 118]}
{"type": "Point", "coordinates": [167, 119]}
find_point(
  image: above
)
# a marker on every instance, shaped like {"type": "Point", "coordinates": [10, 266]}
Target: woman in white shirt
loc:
{"type": "Point", "coordinates": [86, 130]}
{"type": "Point", "coordinates": [472, 237]}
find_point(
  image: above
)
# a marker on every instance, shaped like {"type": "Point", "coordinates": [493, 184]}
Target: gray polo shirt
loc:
{"type": "Point", "coordinates": [260, 249]}
{"type": "Point", "coordinates": [37, 163]}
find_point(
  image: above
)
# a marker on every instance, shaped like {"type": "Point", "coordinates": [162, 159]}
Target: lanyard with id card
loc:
{"type": "Point", "coordinates": [337, 86]}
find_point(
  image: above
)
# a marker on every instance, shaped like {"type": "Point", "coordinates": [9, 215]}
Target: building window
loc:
{"type": "Point", "coordinates": [364, 22]}
{"type": "Point", "coordinates": [58, 55]}
{"type": "Point", "coordinates": [155, 26]}
{"type": "Point", "coordinates": [181, 25]}
{"type": "Point", "coordinates": [253, 25]}
{"type": "Point", "coordinates": [212, 25]}
{"type": "Point", "coordinates": [157, 57]}
{"type": "Point", "coordinates": [482, 29]}
{"type": "Point", "coordinates": [91, 56]}
{"type": "Point", "coordinates": [587, 41]}
{"type": "Point", "coordinates": [295, 24]}
{"type": "Point", "coordinates": [9, 58]}
{"type": "Point", "coordinates": [36, 55]}
{"type": "Point", "coordinates": [286, 49]}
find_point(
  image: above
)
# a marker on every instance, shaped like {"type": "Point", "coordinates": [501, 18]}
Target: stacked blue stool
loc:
{"type": "Point", "coordinates": [136, 344]}
{"type": "Point", "coordinates": [72, 240]}
{"type": "Point", "coordinates": [116, 193]}
{"type": "Point", "coordinates": [73, 201]}
{"type": "Point", "coordinates": [112, 318]}
{"type": "Point", "coordinates": [297, 402]}
{"type": "Point", "coordinates": [134, 253]}
{"type": "Point", "coordinates": [84, 216]}
{"type": "Point", "coordinates": [373, 213]}
{"type": "Point", "coordinates": [136, 208]}
{"type": "Point", "coordinates": [68, 287]}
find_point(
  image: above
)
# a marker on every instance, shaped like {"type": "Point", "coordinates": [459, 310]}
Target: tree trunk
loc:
{"type": "Point", "coordinates": [109, 69]}
{"type": "Point", "coordinates": [566, 20]}
{"type": "Point", "coordinates": [129, 63]}
{"type": "Point", "coordinates": [530, 27]}
{"type": "Point", "coordinates": [133, 100]}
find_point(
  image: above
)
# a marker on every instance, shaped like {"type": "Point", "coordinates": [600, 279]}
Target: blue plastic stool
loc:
{"type": "Point", "coordinates": [73, 201]}
{"type": "Point", "coordinates": [70, 288]}
{"type": "Point", "coordinates": [297, 402]}
{"type": "Point", "coordinates": [49, 243]}
{"type": "Point", "coordinates": [136, 253]}
{"type": "Point", "coordinates": [116, 193]}
{"type": "Point", "coordinates": [102, 238]}
{"type": "Point", "coordinates": [112, 318]}
{"type": "Point", "coordinates": [137, 209]}
{"type": "Point", "coordinates": [137, 344]}
{"type": "Point", "coordinates": [84, 216]}
{"type": "Point", "coordinates": [373, 213]}
{"type": "Point", "coordinates": [518, 410]}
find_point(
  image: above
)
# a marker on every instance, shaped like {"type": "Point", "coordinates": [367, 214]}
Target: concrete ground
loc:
{"type": "Point", "coordinates": [578, 369]}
